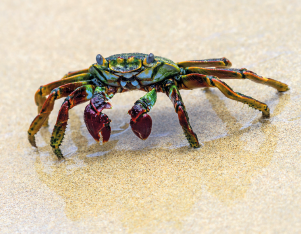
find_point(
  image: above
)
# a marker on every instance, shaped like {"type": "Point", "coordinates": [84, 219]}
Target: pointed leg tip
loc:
{"type": "Point", "coordinates": [286, 88]}
{"type": "Point", "coordinates": [266, 114]}
{"type": "Point", "coordinates": [61, 158]}
{"type": "Point", "coordinates": [32, 141]}
{"type": "Point", "coordinates": [196, 145]}
{"type": "Point", "coordinates": [57, 151]}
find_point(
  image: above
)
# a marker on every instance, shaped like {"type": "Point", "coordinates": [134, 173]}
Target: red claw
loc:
{"type": "Point", "coordinates": [142, 127]}
{"type": "Point", "coordinates": [97, 122]}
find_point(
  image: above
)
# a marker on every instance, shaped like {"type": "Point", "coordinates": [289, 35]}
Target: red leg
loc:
{"type": "Point", "coordinates": [62, 91]}
{"type": "Point", "coordinates": [44, 90]}
{"type": "Point", "coordinates": [198, 80]}
{"type": "Point", "coordinates": [192, 81]}
{"type": "Point", "coordinates": [174, 94]}
{"type": "Point", "coordinates": [80, 95]}
{"type": "Point", "coordinates": [239, 74]}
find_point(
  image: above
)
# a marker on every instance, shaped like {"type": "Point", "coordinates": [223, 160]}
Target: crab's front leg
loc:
{"type": "Point", "coordinates": [44, 90]}
{"type": "Point", "coordinates": [141, 122]}
{"type": "Point", "coordinates": [41, 118]}
{"type": "Point", "coordinates": [78, 96]}
{"type": "Point", "coordinates": [173, 93]}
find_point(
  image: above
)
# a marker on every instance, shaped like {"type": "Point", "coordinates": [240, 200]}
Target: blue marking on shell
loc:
{"type": "Point", "coordinates": [123, 83]}
{"type": "Point", "coordinates": [90, 93]}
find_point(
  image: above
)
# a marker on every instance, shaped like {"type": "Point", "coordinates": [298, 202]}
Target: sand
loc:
{"type": "Point", "coordinates": [246, 177]}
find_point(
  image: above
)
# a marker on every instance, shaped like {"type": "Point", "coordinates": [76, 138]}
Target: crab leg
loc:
{"type": "Point", "coordinates": [239, 74]}
{"type": "Point", "coordinates": [44, 90]}
{"type": "Point", "coordinates": [192, 81]}
{"type": "Point", "coordinates": [174, 95]}
{"type": "Point", "coordinates": [73, 73]}
{"type": "Point", "coordinates": [219, 62]}
{"type": "Point", "coordinates": [78, 96]}
{"type": "Point", "coordinates": [141, 122]}
{"type": "Point", "coordinates": [62, 91]}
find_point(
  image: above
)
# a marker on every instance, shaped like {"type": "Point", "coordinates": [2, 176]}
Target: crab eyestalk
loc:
{"type": "Point", "coordinates": [141, 122]}
{"type": "Point", "coordinates": [100, 60]}
{"type": "Point", "coordinates": [96, 121]}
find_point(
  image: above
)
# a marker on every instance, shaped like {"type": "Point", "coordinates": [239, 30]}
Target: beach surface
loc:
{"type": "Point", "coordinates": [246, 177]}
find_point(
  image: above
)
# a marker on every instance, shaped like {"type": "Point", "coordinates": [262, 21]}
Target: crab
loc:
{"type": "Point", "coordinates": [136, 71]}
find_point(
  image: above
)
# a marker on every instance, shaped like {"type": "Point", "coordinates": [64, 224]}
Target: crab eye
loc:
{"type": "Point", "coordinates": [150, 58]}
{"type": "Point", "coordinates": [99, 59]}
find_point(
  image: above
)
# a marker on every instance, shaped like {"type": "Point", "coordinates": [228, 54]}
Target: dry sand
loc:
{"type": "Point", "coordinates": [245, 178]}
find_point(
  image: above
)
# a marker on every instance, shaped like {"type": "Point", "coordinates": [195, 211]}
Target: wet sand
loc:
{"type": "Point", "coordinates": [246, 177]}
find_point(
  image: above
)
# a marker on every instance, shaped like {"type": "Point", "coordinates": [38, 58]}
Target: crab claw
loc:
{"type": "Point", "coordinates": [98, 122]}
{"type": "Point", "coordinates": [141, 123]}
{"type": "Point", "coordinates": [142, 127]}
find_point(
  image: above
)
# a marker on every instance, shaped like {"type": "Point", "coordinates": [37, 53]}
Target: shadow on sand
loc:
{"type": "Point", "coordinates": [157, 184]}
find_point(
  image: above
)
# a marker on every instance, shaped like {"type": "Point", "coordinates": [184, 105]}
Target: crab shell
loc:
{"type": "Point", "coordinates": [133, 70]}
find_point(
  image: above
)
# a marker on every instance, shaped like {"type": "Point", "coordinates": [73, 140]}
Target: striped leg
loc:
{"type": "Point", "coordinates": [193, 81]}
{"type": "Point", "coordinates": [224, 73]}
{"type": "Point", "coordinates": [219, 62]}
{"type": "Point", "coordinates": [44, 90]}
{"type": "Point", "coordinates": [75, 73]}
{"type": "Point", "coordinates": [174, 95]}
{"type": "Point", "coordinates": [62, 91]}
{"type": "Point", "coordinates": [198, 80]}
{"type": "Point", "coordinates": [80, 95]}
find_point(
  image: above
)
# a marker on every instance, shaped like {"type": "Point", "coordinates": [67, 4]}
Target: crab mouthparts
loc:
{"type": "Point", "coordinates": [134, 84]}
